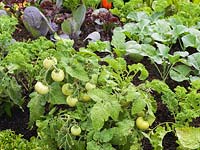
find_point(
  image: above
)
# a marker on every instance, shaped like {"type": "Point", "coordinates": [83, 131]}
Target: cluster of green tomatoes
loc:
{"type": "Point", "coordinates": [58, 75]}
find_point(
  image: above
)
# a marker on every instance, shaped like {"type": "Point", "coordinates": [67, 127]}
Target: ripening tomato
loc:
{"type": "Point", "coordinates": [71, 101]}
{"type": "Point", "coordinates": [67, 89]}
{"type": "Point", "coordinates": [49, 62]}
{"type": "Point", "coordinates": [41, 88]}
{"type": "Point", "coordinates": [85, 97]}
{"type": "Point", "coordinates": [142, 124]}
{"type": "Point", "coordinates": [89, 86]}
{"type": "Point", "coordinates": [57, 75]}
{"type": "Point", "coordinates": [75, 130]}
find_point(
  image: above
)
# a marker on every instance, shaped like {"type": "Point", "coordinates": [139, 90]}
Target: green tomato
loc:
{"type": "Point", "coordinates": [41, 88]}
{"type": "Point", "coordinates": [49, 62]}
{"type": "Point", "coordinates": [67, 89]}
{"type": "Point", "coordinates": [71, 101]}
{"type": "Point", "coordinates": [85, 97]}
{"type": "Point", "coordinates": [75, 130]}
{"type": "Point", "coordinates": [142, 124]}
{"type": "Point", "coordinates": [89, 86]}
{"type": "Point", "coordinates": [57, 75]}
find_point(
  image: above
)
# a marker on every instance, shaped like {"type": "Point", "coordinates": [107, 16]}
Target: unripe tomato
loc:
{"type": "Point", "coordinates": [90, 86]}
{"type": "Point", "coordinates": [75, 130]}
{"type": "Point", "coordinates": [67, 89]}
{"type": "Point", "coordinates": [49, 62]}
{"type": "Point", "coordinates": [41, 88]}
{"type": "Point", "coordinates": [71, 101]}
{"type": "Point", "coordinates": [85, 97]}
{"type": "Point", "coordinates": [57, 75]}
{"type": "Point", "coordinates": [142, 124]}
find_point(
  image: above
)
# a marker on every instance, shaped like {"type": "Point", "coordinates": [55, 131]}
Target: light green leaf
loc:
{"type": "Point", "coordinates": [138, 106]}
{"type": "Point", "coordinates": [180, 73]}
{"type": "Point", "coordinates": [76, 71]}
{"type": "Point", "coordinates": [189, 137]}
{"type": "Point", "coordinates": [92, 145]}
{"type": "Point", "coordinates": [189, 40]}
{"type": "Point", "coordinates": [55, 94]}
{"type": "Point", "coordinates": [98, 116]}
{"type": "Point", "coordinates": [66, 26]}
{"type": "Point", "coordinates": [118, 40]}
{"type": "Point", "coordinates": [194, 60]}
{"type": "Point", "coordinates": [99, 95]}
{"type": "Point", "coordinates": [36, 107]}
{"type": "Point", "coordinates": [139, 67]}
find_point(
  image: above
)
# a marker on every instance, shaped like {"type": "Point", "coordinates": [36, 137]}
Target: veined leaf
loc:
{"type": "Point", "coordinates": [180, 73]}
{"type": "Point", "coordinates": [76, 71]}
{"type": "Point", "coordinates": [194, 60]}
{"type": "Point", "coordinates": [55, 94]}
{"type": "Point", "coordinates": [36, 107]}
{"type": "Point", "coordinates": [189, 40]}
{"type": "Point", "coordinates": [98, 116]}
{"type": "Point", "coordinates": [189, 137]}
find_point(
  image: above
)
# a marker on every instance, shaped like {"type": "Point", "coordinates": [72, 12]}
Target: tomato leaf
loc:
{"type": "Point", "coordinates": [36, 107]}
{"type": "Point", "coordinates": [76, 71]}
{"type": "Point", "coordinates": [55, 94]}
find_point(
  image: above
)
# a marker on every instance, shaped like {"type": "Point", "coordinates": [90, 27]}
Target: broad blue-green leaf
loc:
{"type": "Point", "coordinates": [137, 16]}
{"type": "Point", "coordinates": [163, 49]}
{"type": "Point", "coordinates": [66, 26]}
{"type": "Point", "coordinates": [180, 73]}
{"type": "Point", "coordinates": [92, 145]}
{"type": "Point", "coordinates": [189, 137]}
{"type": "Point", "coordinates": [189, 40]}
{"type": "Point", "coordinates": [55, 94]}
{"type": "Point", "coordinates": [79, 15]}
{"type": "Point", "coordinates": [194, 60]}
{"type": "Point", "coordinates": [118, 40]}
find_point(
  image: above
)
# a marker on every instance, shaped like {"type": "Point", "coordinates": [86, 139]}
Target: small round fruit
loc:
{"type": "Point", "coordinates": [57, 75]}
{"type": "Point", "coordinates": [41, 88]}
{"type": "Point", "coordinates": [142, 124]}
{"type": "Point", "coordinates": [49, 62]}
{"type": "Point", "coordinates": [75, 130]}
{"type": "Point", "coordinates": [71, 101]}
{"type": "Point", "coordinates": [67, 89]}
{"type": "Point", "coordinates": [90, 86]}
{"type": "Point", "coordinates": [85, 97]}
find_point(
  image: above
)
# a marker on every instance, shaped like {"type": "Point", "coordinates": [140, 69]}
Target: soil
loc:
{"type": "Point", "coordinates": [19, 120]}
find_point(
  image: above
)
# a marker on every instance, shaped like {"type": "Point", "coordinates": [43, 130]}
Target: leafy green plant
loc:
{"type": "Point", "coordinates": [72, 25]}
{"type": "Point", "coordinates": [183, 105]}
{"type": "Point", "coordinates": [103, 92]}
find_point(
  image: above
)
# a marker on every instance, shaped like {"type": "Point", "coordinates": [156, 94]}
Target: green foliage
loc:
{"type": "Point", "coordinates": [71, 26]}
{"type": "Point", "coordinates": [9, 140]}
{"type": "Point", "coordinates": [188, 137]}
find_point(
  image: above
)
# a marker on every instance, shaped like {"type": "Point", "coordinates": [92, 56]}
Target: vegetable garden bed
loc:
{"type": "Point", "coordinates": [76, 76]}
